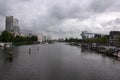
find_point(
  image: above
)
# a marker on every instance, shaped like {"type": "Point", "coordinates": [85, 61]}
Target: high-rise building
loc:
{"type": "Point", "coordinates": [12, 25]}
{"type": "Point", "coordinates": [9, 23]}
{"type": "Point", "coordinates": [16, 26]}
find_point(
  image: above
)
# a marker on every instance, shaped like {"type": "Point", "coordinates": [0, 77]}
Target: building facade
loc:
{"type": "Point", "coordinates": [16, 27]}
{"type": "Point", "coordinates": [12, 25]}
{"type": "Point", "coordinates": [41, 38]}
{"type": "Point", "coordinates": [87, 35]}
{"type": "Point", "coordinates": [9, 24]}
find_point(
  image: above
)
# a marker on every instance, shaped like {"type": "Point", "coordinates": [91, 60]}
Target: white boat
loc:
{"type": "Point", "coordinates": [1, 44]}
{"type": "Point", "coordinates": [117, 54]}
{"type": "Point", "coordinates": [8, 45]}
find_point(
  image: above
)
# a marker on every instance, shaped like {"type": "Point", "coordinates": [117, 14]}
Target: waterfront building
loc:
{"type": "Point", "coordinates": [9, 24]}
{"type": "Point", "coordinates": [16, 27]}
{"type": "Point", "coordinates": [88, 35]}
{"type": "Point", "coordinates": [39, 38]}
{"type": "Point", "coordinates": [12, 25]}
{"type": "Point", "coordinates": [114, 39]}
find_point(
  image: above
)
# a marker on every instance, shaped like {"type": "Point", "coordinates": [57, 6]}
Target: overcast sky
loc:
{"type": "Point", "coordinates": [63, 18]}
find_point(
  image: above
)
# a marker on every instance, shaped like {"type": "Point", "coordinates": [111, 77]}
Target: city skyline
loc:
{"type": "Point", "coordinates": [63, 18]}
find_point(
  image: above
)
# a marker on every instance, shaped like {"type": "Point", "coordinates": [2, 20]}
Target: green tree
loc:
{"type": "Point", "coordinates": [101, 40]}
{"type": "Point", "coordinates": [34, 38]}
{"type": "Point", "coordinates": [66, 39]}
{"type": "Point", "coordinates": [7, 36]}
{"type": "Point", "coordinates": [73, 40]}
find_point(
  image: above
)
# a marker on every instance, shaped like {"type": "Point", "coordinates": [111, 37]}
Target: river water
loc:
{"type": "Point", "coordinates": [57, 62]}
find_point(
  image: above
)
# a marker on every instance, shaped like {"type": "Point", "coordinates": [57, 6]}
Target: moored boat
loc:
{"type": "Point", "coordinates": [116, 54]}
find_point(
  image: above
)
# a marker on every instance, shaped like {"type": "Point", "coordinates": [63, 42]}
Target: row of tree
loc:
{"type": "Point", "coordinates": [9, 37]}
{"type": "Point", "coordinates": [99, 40]}
{"type": "Point", "coordinates": [73, 40]}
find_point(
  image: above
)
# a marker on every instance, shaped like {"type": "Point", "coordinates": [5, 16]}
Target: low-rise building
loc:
{"type": "Point", "coordinates": [41, 38]}
{"type": "Point", "coordinates": [23, 35]}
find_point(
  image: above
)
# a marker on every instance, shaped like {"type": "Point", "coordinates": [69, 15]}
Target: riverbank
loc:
{"type": "Point", "coordinates": [106, 50]}
{"type": "Point", "coordinates": [22, 43]}
{"type": "Point", "coordinates": [2, 44]}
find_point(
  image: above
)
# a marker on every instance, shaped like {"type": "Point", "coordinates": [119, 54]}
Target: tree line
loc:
{"type": "Point", "coordinates": [73, 40]}
{"type": "Point", "coordinates": [100, 40]}
{"type": "Point", "coordinates": [10, 37]}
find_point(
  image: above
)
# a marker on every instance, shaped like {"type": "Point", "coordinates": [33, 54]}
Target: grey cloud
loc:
{"type": "Point", "coordinates": [101, 5]}
{"type": "Point", "coordinates": [4, 7]}
{"type": "Point", "coordinates": [114, 7]}
{"type": "Point", "coordinates": [57, 12]}
{"type": "Point", "coordinates": [60, 12]}
{"type": "Point", "coordinates": [68, 11]}
{"type": "Point", "coordinates": [111, 25]}
{"type": "Point", "coordinates": [114, 22]}
{"type": "Point", "coordinates": [24, 0]}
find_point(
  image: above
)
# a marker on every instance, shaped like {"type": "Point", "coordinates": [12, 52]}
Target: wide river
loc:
{"type": "Point", "coordinates": [57, 62]}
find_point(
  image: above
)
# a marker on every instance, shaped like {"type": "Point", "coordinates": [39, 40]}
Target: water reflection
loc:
{"type": "Point", "coordinates": [38, 48]}
{"type": "Point", "coordinates": [88, 51]}
{"type": "Point", "coordinates": [7, 55]}
{"type": "Point", "coordinates": [56, 62]}
{"type": "Point", "coordinates": [29, 51]}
